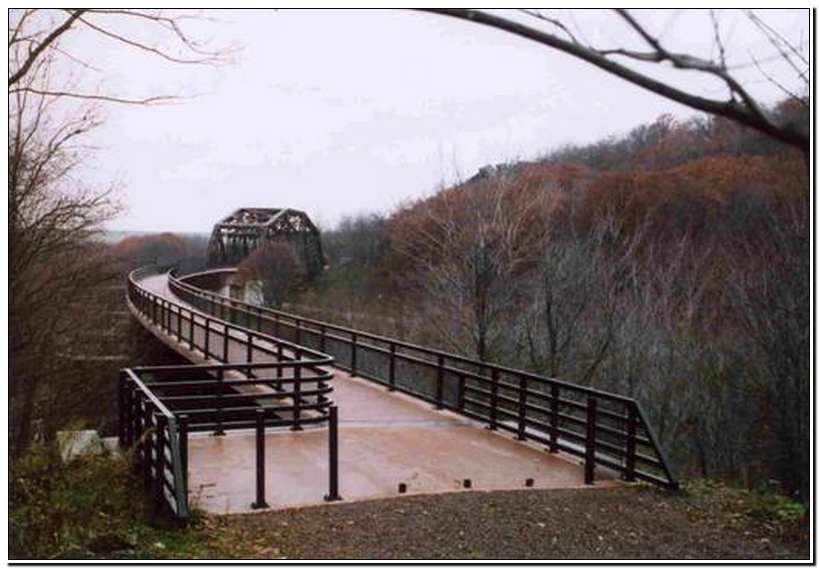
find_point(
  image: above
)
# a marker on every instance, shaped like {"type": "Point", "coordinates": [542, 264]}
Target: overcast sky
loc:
{"type": "Point", "coordinates": [337, 113]}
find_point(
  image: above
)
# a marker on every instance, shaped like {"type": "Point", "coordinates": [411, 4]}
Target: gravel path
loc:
{"type": "Point", "coordinates": [623, 523]}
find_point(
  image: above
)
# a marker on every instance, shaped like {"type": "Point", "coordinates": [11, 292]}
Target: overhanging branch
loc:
{"type": "Point", "coordinates": [747, 113]}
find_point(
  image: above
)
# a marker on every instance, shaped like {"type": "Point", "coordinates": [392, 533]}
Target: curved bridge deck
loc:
{"type": "Point", "coordinates": [385, 439]}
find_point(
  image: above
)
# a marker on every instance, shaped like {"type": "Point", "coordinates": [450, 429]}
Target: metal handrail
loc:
{"type": "Point", "coordinates": [631, 418]}
{"type": "Point", "coordinates": [162, 308]}
{"type": "Point", "coordinates": [180, 489]}
{"type": "Point", "coordinates": [213, 411]}
{"type": "Point", "coordinates": [179, 282]}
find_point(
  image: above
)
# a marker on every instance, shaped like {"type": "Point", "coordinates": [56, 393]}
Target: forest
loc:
{"type": "Point", "coordinates": [670, 264]}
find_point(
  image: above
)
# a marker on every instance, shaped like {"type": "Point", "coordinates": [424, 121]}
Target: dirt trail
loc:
{"type": "Point", "coordinates": [621, 523]}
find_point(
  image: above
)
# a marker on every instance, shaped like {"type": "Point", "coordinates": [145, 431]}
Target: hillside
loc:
{"type": "Point", "coordinates": [663, 264]}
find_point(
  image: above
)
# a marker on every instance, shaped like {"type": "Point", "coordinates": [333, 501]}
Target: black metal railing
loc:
{"type": "Point", "coordinates": [601, 428]}
{"type": "Point", "coordinates": [259, 382]}
{"type": "Point", "coordinates": [146, 422]}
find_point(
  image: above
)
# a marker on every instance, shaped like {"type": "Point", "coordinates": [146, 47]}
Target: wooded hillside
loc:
{"type": "Point", "coordinates": [670, 264]}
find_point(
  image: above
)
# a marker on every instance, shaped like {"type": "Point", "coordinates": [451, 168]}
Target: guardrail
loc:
{"type": "Point", "coordinates": [601, 428]}
{"type": "Point", "coordinates": [276, 383]}
{"type": "Point", "coordinates": [148, 423]}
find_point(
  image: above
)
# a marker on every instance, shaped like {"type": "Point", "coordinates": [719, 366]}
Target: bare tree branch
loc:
{"type": "Point", "coordinates": [746, 111]}
{"type": "Point", "coordinates": [792, 95]}
{"type": "Point", "coordinates": [37, 51]}
{"type": "Point", "coordinates": [106, 98]}
{"type": "Point", "coordinates": [141, 46]}
{"type": "Point", "coordinates": [718, 39]}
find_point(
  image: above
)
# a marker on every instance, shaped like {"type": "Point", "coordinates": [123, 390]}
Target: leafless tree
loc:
{"type": "Point", "coordinates": [54, 260]}
{"type": "Point", "coordinates": [572, 315]}
{"type": "Point", "coordinates": [277, 267]}
{"type": "Point", "coordinates": [39, 63]}
{"type": "Point", "coordinates": [740, 105]}
{"type": "Point", "coordinates": [772, 298]}
{"type": "Point", "coordinates": [468, 249]}
{"type": "Point", "coordinates": [56, 264]}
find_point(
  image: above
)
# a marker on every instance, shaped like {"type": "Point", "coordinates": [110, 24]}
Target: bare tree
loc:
{"type": "Point", "coordinates": [572, 315]}
{"type": "Point", "coordinates": [772, 298]}
{"type": "Point", "coordinates": [740, 105]}
{"type": "Point", "coordinates": [56, 263]}
{"type": "Point", "coordinates": [53, 258]}
{"type": "Point", "coordinates": [277, 267]}
{"type": "Point", "coordinates": [36, 49]}
{"type": "Point", "coordinates": [467, 249]}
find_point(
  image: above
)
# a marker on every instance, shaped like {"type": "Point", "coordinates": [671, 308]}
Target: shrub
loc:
{"type": "Point", "coordinates": [92, 507]}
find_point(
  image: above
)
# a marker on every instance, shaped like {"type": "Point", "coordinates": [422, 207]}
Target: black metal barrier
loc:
{"type": "Point", "coordinates": [601, 428]}
{"type": "Point", "coordinates": [276, 384]}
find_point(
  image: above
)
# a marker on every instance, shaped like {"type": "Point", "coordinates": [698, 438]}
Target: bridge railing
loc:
{"type": "Point", "coordinates": [147, 423]}
{"type": "Point", "coordinates": [601, 428]}
{"type": "Point", "coordinates": [270, 383]}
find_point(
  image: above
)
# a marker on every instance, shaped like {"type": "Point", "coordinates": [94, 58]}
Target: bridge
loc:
{"type": "Point", "coordinates": [278, 410]}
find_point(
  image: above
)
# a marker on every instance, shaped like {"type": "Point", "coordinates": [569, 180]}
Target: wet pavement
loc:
{"type": "Point", "coordinates": [385, 439]}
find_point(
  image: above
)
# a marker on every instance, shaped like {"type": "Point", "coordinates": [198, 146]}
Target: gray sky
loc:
{"type": "Point", "coordinates": [344, 112]}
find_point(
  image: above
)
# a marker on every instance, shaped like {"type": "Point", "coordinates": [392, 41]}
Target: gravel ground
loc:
{"type": "Point", "coordinates": [621, 523]}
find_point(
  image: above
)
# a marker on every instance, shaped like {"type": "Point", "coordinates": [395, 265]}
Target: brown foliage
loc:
{"type": "Point", "coordinates": [143, 249]}
{"type": "Point", "coordinates": [279, 269]}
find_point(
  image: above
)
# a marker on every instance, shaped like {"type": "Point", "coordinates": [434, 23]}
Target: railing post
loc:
{"type": "Point", "coordinates": [249, 338]}
{"type": "Point", "coordinates": [493, 401]}
{"type": "Point", "coordinates": [206, 347]}
{"type": "Point", "coordinates": [322, 337]}
{"type": "Point", "coordinates": [276, 325]}
{"type": "Point", "coordinates": [260, 502]}
{"type": "Point", "coordinates": [225, 339]}
{"type": "Point", "coordinates": [121, 408]}
{"type": "Point", "coordinates": [591, 432]}
{"type": "Point", "coordinates": [179, 324]}
{"type": "Point", "coordinates": [280, 357]}
{"type": "Point", "coordinates": [321, 399]}
{"type": "Point", "coordinates": [183, 448]}
{"type": "Point", "coordinates": [298, 331]}
{"type": "Point", "coordinates": [147, 444]}
{"type": "Point", "coordinates": [139, 432]}
{"type": "Point", "coordinates": [128, 416]}
{"type": "Point", "coordinates": [297, 392]}
{"type": "Point", "coordinates": [392, 367]}
{"type": "Point", "coordinates": [631, 443]}
{"type": "Point", "coordinates": [134, 430]}
{"type": "Point", "coordinates": [153, 310]}
{"type": "Point", "coordinates": [439, 385]}
{"type": "Point", "coordinates": [159, 461]}
{"type": "Point", "coordinates": [523, 385]}
{"type": "Point", "coordinates": [353, 354]}
{"type": "Point", "coordinates": [461, 392]}
{"type": "Point", "coordinates": [554, 417]}
{"type": "Point", "coordinates": [333, 495]}
{"type": "Point", "coordinates": [191, 329]}
{"type": "Point", "coordinates": [220, 376]}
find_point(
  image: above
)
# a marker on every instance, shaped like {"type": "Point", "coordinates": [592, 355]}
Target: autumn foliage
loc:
{"type": "Point", "coordinates": [278, 269]}
{"type": "Point", "coordinates": [670, 264]}
{"type": "Point", "coordinates": [162, 248]}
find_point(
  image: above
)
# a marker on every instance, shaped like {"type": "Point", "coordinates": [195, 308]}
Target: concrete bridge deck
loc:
{"type": "Point", "coordinates": [385, 438]}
